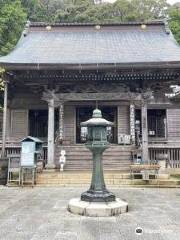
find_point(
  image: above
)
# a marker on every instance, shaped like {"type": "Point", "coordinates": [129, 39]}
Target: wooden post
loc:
{"type": "Point", "coordinates": [50, 161]}
{"type": "Point", "coordinates": [132, 122]}
{"type": "Point", "coordinates": [61, 122]}
{"type": "Point", "coordinates": [145, 153]}
{"type": "Point", "coordinates": [4, 119]}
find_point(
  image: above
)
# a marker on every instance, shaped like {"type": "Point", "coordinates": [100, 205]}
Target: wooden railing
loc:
{"type": "Point", "coordinates": [171, 155]}
{"type": "Point", "coordinates": [16, 151]}
{"type": "Point", "coordinates": [12, 151]}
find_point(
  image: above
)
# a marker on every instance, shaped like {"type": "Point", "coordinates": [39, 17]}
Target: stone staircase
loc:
{"type": "Point", "coordinates": [50, 178]}
{"type": "Point", "coordinates": [77, 178]}
{"type": "Point", "coordinates": [78, 157]}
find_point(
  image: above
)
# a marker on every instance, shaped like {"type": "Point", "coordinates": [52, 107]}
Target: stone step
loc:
{"type": "Point", "coordinates": [78, 157]}
{"type": "Point", "coordinates": [105, 158]}
{"type": "Point", "coordinates": [78, 146]}
{"type": "Point", "coordinates": [89, 163]}
{"type": "Point", "coordinates": [80, 166]}
{"type": "Point", "coordinates": [73, 168]}
{"type": "Point", "coordinates": [89, 155]}
{"type": "Point", "coordinates": [80, 175]}
{"type": "Point", "coordinates": [111, 179]}
{"type": "Point", "coordinates": [120, 155]}
{"type": "Point", "coordinates": [85, 162]}
{"type": "Point", "coordinates": [84, 149]}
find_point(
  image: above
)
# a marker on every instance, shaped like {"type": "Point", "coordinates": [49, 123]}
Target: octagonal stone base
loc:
{"type": "Point", "coordinates": [97, 209]}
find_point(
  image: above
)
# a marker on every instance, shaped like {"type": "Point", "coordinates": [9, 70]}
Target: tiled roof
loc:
{"type": "Point", "coordinates": [81, 44]}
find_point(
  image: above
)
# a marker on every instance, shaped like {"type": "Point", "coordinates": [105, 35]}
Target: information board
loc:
{"type": "Point", "coordinates": [27, 154]}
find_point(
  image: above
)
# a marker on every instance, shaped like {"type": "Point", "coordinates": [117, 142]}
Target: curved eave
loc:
{"type": "Point", "coordinates": [101, 66]}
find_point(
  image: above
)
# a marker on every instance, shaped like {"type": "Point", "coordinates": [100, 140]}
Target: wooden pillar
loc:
{"type": "Point", "coordinates": [4, 119]}
{"type": "Point", "coordinates": [61, 122]}
{"type": "Point", "coordinates": [8, 127]}
{"type": "Point", "coordinates": [145, 154]}
{"type": "Point", "coordinates": [50, 160]}
{"type": "Point", "coordinates": [132, 122]}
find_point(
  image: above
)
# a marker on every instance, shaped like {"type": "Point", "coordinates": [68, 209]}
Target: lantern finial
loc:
{"type": "Point", "coordinates": [97, 113]}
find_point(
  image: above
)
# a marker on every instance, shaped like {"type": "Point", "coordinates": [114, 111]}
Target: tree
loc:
{"type": "Point", "coordinates": [145, 10]}
{"type": "Point", "coordinates": [74, 11]}
{"type": "Point", "coordinates": [123, 10]}
{"type": "Point", "coordinates": [42, 10]}
{"type": "Point", "coordinates": [120, 11]}
{"type": "Point", "coordinates": [174, 22]}
{"type": "Point", "coordinates": [12, 20]}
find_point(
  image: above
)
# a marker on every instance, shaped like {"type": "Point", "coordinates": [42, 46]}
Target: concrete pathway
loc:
{"type": "Point", "coordinates": [40, 214]}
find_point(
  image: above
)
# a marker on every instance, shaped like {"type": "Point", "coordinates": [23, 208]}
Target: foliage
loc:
{"type": "Point", "coordinates": [12, 18]}
{"type": "Point", "coordinates": [1, 78]}
{"type": "Point", "coordinates": [42, 10]}
{"type": "Point", "coordinates": [74, 11]}
{"type": "Point", "coordinates": [174, 14]}
{"type": "Point", "coordinates": [149, 9]}
{"type": "Point", "coordinates": [120, 11]}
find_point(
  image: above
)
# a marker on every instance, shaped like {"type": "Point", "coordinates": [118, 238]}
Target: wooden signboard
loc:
{"type": "Point", "coordinates": [27, 154]}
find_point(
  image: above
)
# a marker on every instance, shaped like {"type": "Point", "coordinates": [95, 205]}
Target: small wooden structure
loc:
{"type": "Point", "coordinates": [30, 153]}
{"type": "Point", "coordinates": [56, 76]}
{"type": "Point", "coordinates": [144, 170]}
{"type": "Point", "coordinates": [28, 175]}
{"type": "Point", "coordinates": [14, 170]}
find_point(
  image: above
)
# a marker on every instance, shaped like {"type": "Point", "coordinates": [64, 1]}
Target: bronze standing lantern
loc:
{"type": "Point", "coordinates": [97, 143]}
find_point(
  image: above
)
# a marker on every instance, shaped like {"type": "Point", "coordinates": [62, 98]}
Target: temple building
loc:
{"type": "Point", "coordinates": [57, 74]}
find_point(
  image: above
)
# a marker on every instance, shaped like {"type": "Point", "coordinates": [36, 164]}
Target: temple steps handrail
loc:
{"type": "Point", "coordinates": [170, 154]}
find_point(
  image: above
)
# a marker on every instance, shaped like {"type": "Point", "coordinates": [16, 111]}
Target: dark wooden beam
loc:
{"type": "Point", "coordinates": [58, 97]}
{"type": "Point", "coordinates": [78, 76]}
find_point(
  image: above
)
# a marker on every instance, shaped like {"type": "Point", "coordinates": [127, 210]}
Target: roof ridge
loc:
{"type": "Point", "coordinates": [45, 24]}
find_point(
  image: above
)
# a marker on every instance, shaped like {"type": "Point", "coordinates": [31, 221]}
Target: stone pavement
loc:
{"type": "Point", "coordinates": [40, 214]}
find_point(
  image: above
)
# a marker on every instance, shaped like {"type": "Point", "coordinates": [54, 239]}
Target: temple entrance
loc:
{"type": "Point", "coordinates": [85, 113]}
{"type": "Point", "coordinates": [38, 123]}
{"type": "Point", "coordinates": [156, 123]}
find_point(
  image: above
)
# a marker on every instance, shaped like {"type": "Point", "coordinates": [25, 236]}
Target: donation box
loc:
{"type": "Point", "coordinates": [31, 151]}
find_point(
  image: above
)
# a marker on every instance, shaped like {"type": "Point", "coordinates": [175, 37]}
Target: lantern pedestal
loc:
{"type": "Point", "coordinates": [97, 209]}
{"type": "Point", "coordinates": [98, 196]}
{"type": "Point", "coordinates": [97, 191]}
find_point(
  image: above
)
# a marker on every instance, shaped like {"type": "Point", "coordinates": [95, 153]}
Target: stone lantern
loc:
{"type": "Point", "coordinates": [97, 201]}
{"type": "Point", "coordinates": [97, 143]}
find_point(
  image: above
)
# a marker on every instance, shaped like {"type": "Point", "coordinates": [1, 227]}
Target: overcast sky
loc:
{"type": "Point", "coordinates": [173, 1]}
{"type": "Point", "coordinates": [169, 1]}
